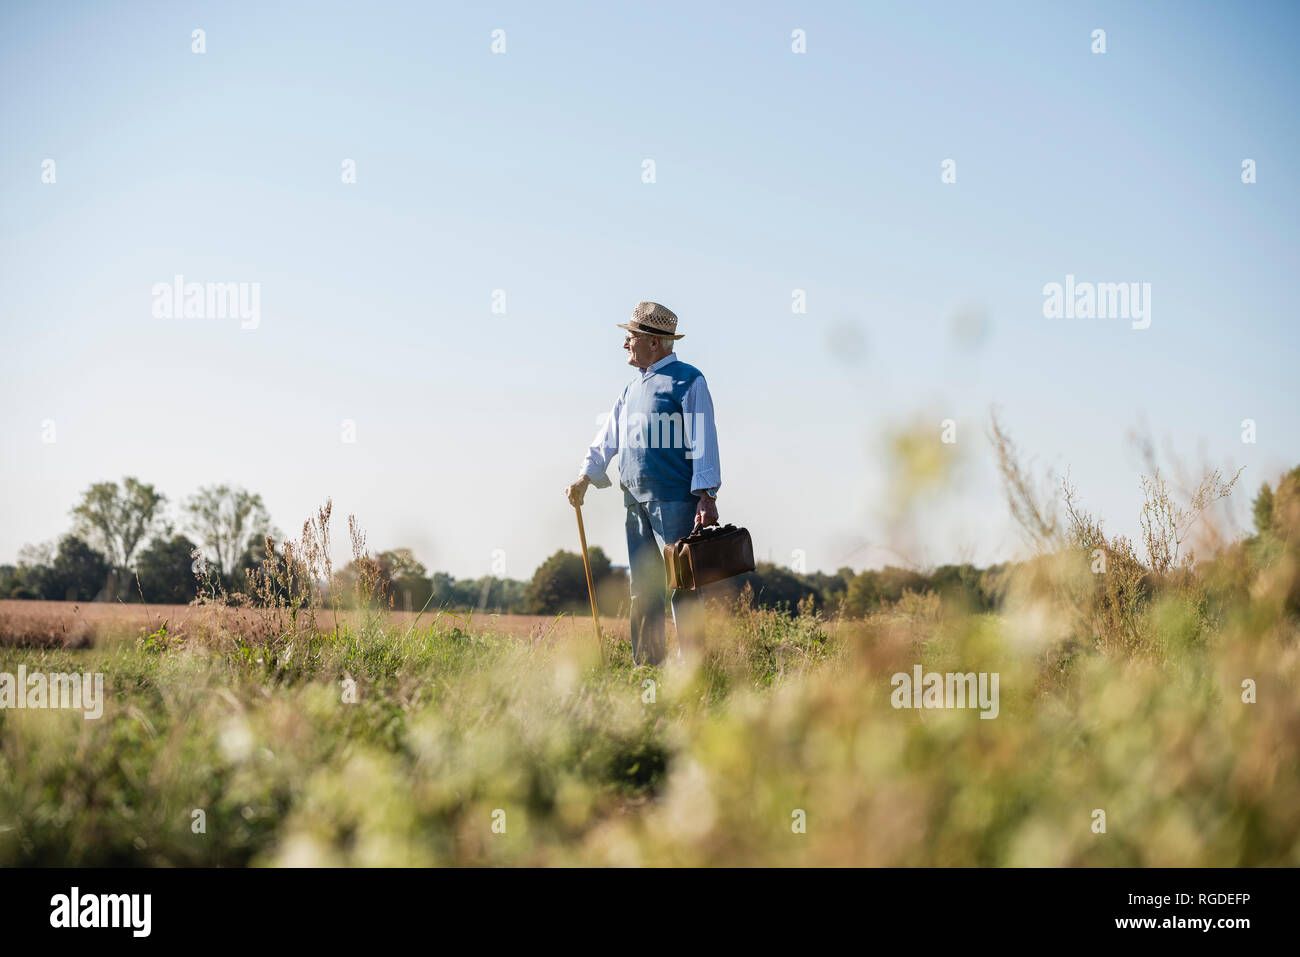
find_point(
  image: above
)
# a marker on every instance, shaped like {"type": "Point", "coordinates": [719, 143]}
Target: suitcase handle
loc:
{"type": "Point", "coordinates": [701, 532]}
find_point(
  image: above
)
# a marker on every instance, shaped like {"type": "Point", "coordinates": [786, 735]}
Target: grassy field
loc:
{"type": "Point", "coordinates": [480, 747]}
{"type": "Point", "coordinates": [1148, 715]}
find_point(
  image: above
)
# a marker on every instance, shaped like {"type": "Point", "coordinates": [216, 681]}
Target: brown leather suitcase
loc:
{"type": "Point", "coordinates": [708, 555]}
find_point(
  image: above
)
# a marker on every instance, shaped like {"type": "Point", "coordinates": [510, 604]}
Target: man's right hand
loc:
{"type": "Point", "coordinates": [577, 491]}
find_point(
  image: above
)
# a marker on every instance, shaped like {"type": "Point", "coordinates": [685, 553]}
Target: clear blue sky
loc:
{"type": "Point", "coordinates": [522, 172]}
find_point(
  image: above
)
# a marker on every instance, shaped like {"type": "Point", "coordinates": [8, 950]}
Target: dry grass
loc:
{"type": "Point", "coordinates": [1161, 693]}
{"type": "Point", "coordinates": [62, 624]}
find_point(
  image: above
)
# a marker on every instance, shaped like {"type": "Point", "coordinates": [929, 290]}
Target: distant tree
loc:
{"type": "Point", "coordinates": [412, 588]}
{"type": "Point", "coordinates": [230, 523]}
{"type": "Point", "coordinates": [395, 574]}
{"type": "Point", "coordinates": [773, 586]}
{"type": "Point", "coordinates": [560, 582]}
{"type": "Point", "coordinates": [117, 520]}
{"type": "Point", "coordinates": [1262, 509]}
{"type": "Point", "coordinates": [506, 596]}
{"type": "Point", "coordinates": [408, 579]}
{"type": "Point", "coordinates": [30, 556]}
{"type": "Point", "coordinates": [1285, 516]}
{"type": "Point", "coordinates": [1276, 513]}
{"type": "Point", "coordinates": [871, 589]}
{"type": "Point", "coordinates": [446, 591]}
{"type": "Point", "coordinates": [470, 594]}
{"type": "Point", "coordinates": [165, 571]}
{"type": "Point", "coordinates": [31, 577]}
{"type": "Point", "coordinates": [77, 573]}
{"type": "Point", "coordinates": [831, 590]}
{"type": "Point", "coordinates": [487, 594]}
{"type": "Point", "coordinates": [22, 581]}
{"type": "Point", "coordinates": [960, 583]}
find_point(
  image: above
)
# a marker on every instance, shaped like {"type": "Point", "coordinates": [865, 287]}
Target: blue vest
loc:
{"type": "Point", "coordinates": [655, 441]}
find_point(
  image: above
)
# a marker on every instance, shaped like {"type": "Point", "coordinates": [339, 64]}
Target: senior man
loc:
{"type": "Point", "coordinates": [663, 429]}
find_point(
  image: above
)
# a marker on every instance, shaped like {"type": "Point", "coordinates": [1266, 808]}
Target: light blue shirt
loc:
{"type": "Point", "coordinates": [697, 407]}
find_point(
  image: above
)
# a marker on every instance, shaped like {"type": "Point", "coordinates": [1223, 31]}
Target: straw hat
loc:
{"type": "Point", "coordinates": [652, 319]}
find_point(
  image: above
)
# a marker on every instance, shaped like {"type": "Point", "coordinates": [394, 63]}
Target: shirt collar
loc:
{"type": "Point", "coordinates": [671, 357]}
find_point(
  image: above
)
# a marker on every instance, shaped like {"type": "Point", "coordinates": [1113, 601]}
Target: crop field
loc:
{"type": "Point", "coordinates": [61, 624]}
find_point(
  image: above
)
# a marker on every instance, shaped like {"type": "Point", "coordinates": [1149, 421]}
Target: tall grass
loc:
{"type": "Point", "coordinates": [1121, 692]}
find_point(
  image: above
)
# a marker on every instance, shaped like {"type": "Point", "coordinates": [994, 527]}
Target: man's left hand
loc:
{"type": "Point", "coordinates": [707, 511]}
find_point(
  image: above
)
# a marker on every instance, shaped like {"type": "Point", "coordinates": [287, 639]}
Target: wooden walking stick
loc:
{"type": "Point", "coordinates": [591, 590]}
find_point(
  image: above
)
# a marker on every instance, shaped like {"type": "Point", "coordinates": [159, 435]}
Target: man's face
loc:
{"type": "Point", "coordinates": [642, 350]}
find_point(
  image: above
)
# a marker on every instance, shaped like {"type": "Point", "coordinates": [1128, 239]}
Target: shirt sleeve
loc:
{"type": "Point", "coordinates": [702, 430]}
{"type": "Point", "coordinates": [603, 447]}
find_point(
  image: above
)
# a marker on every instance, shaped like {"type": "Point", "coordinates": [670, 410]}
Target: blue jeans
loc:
{"type": "Point", "coordinates": [651, 525]}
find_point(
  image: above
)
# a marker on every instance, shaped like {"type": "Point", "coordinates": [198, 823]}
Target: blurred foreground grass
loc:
{"type": "Point", "coordinates": [1158, 694]}
{"type": "Point", "coordinates": [785, 713]}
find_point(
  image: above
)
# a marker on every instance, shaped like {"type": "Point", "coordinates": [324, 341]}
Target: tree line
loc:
{"type": "Point", "coordinates": [123, 547]}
